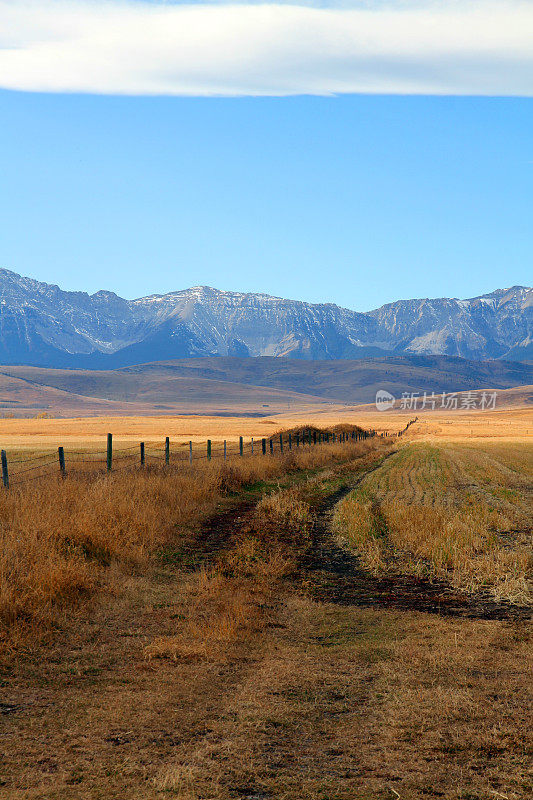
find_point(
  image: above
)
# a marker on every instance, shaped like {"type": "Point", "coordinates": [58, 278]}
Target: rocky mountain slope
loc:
{"type": "Point", "coordinates": [42, 325]}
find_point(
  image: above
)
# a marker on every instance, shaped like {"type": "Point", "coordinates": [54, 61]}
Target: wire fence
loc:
{"type": "Point", "coordinates": [19, 470]}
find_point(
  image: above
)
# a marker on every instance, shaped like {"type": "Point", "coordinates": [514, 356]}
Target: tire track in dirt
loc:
{"type": "Point", "coordinates": [335, 575]}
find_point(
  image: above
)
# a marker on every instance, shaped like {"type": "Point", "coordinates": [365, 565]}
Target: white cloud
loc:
{"type": "Point", "coordinates": [482, 47]}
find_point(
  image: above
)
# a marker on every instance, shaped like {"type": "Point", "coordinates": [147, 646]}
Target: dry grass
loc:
{"type": "Point", "coordinates": [347, 703]}
{"type": "Point", "coordinates": [455, 512]}
{"type": "Point", "coordinates": [221, 681]}
{"type": "Point", "coordinates": [37, 435]}
{"type": "Point", "coordinates": [505, 424]}
{"type": "Point", "coordinates": [58, 538]}
{"type": "Point", "coordinates": [229, 603]}
{"type": "Point", "coordinates": [28, 436]}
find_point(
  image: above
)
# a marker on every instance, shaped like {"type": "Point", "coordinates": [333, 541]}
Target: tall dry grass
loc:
{"type": "Point", "coordinates": [232, 600]}
{"type": "Point", "coordinates": [58, 538]}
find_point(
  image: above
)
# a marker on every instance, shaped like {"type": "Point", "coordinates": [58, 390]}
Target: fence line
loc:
{"type": "Point", "coordinates": [143, 454]}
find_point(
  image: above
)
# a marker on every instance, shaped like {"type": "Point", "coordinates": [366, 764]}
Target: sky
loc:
{"type": "Point", "coordinates": [357, 153]}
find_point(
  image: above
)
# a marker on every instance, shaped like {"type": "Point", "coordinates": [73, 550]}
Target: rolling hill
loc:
{"type": "Point", "coordinates": [264, 385]}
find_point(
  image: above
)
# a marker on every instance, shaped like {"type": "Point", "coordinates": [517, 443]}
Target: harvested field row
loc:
{"type": "Point", "coordinates": [464, 515]}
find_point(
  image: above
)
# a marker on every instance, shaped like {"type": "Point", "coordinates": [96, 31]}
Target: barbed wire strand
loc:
{"type": "Point", "coordinates": [30, 469]}
{"type": "Point", "coordinates": [31, 458]}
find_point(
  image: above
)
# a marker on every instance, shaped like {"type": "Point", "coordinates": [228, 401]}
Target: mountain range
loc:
{"type": "Point", "coordinates": [42, 325]}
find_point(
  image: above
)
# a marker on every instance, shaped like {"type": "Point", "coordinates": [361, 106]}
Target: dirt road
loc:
{"type": "Point", "coordinates": [351, 687]}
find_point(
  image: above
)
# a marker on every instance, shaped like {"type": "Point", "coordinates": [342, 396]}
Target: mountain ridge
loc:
{"type": "Point", "coordinates": [42, 325]}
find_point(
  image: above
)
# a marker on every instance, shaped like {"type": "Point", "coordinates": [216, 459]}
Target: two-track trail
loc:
{"type": "Point", "coordinates": [337, 577]}
{"type": "Point", "coordinates": [348, 691]}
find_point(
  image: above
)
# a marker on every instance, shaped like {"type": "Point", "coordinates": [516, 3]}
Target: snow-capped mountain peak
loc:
{"type": "Point", "coordinates": [42, 324]}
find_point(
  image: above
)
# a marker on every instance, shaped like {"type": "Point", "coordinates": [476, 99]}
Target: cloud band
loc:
{"type": "Point", "coordinates": [141, 48]}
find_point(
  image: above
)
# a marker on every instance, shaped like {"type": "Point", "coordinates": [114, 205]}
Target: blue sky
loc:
{"type": "Point", "coordinates": [357, 199]}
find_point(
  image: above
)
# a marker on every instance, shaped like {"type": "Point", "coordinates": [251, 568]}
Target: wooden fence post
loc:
{"type": "Point", "coordinates": [309, 438]}
{"type": "Point", "coordinates": [167, 450]}
{"type": "Point", "coordinates": [290, 442]}
{"type": "Point", "coordinates": [142, 454]}
{"type": "Point", "coordinates": [190, 452]}
{"type": "Point", "coordinates": [297, 440]}
{"type": "Point", "coordinates": [209, 449]}
{"type": "Point", "coordinates": [225, 450]}
{"type": "Point", "coordinates": [241, 448]}
{"type": "Point", "coordinates": [264, 446]}
{"type": "Point", "coordinates": [314, 437]}
{"type": "Point", "coordinates": [5, 473]}
{"type": "Point", "coordinates": [109, 451]}
{"type": "Point", "coordinates": [252, 445]}
{"type": "Point", "coordinates": [271, 447]}
{"type": "Point", "coordinates": [281, 443]}
{"type": "Point", "coordinates": [61, 454]}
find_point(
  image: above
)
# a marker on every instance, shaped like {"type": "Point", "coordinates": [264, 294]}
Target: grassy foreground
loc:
{"type": "Point", "coordinates": [203, 669]}
{"type": "Point", "coordinates": [64, 540]}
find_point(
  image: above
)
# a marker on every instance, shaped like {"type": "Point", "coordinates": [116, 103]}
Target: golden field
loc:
{"type": "Point", "coordinates": [508, 423]}
{"type": "Point", "coordinates": [192, 632]}
{"type": "Point", "coordinates": [91, 432]}
{"type": "Point", "coordinates": [459, 512]}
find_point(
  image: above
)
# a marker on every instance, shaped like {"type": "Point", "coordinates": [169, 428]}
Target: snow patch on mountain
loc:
{"type": "Point", "coordinates": [41, 324]}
